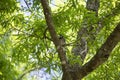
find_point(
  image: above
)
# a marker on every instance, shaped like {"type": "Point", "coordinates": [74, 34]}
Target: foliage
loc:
{"type": "Point", "coordinates": [25, 42]}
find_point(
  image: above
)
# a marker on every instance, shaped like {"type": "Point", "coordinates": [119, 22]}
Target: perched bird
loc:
{"type": "Point", "coordinates": [62, 40]}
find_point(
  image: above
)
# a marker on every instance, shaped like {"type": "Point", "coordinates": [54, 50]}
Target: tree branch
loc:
{"type": "Point", "coordinates": [103, 53]}
{"type": "Point", "coordinates": [53, 34]}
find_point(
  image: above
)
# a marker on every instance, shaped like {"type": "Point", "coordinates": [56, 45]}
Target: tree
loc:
{"type": "Point", "coordinates": [62, 40]}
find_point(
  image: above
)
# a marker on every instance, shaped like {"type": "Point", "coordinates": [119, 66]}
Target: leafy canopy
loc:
{"type": "Point", "coordinates": [25, 42]}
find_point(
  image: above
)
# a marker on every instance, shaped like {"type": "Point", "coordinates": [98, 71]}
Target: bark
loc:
{"type": "Point", "coordinates": [55, 39]}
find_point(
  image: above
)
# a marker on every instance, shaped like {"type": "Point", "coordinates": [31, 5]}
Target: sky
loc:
{"type": "Point", "coordinates": [40, 75]}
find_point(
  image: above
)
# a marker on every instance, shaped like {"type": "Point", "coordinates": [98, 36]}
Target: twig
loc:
{"type": "Point", "coordinates": [20, 78]}
{"type": "Point", "coordinates": [44, 35]}
{"type": "Point", "coordinates": [27, 5]}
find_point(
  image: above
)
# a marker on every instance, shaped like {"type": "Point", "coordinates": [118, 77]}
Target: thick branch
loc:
{"type": "Point", "coordinates": [103, 53]}
{"type": "Point", "coordinates": [53, 34]}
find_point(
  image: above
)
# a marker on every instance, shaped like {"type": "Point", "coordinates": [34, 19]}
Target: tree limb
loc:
{"type": "Point", "coordinates": [103, 53]}
{"type": "Point", "coordinates": [53, 34]}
